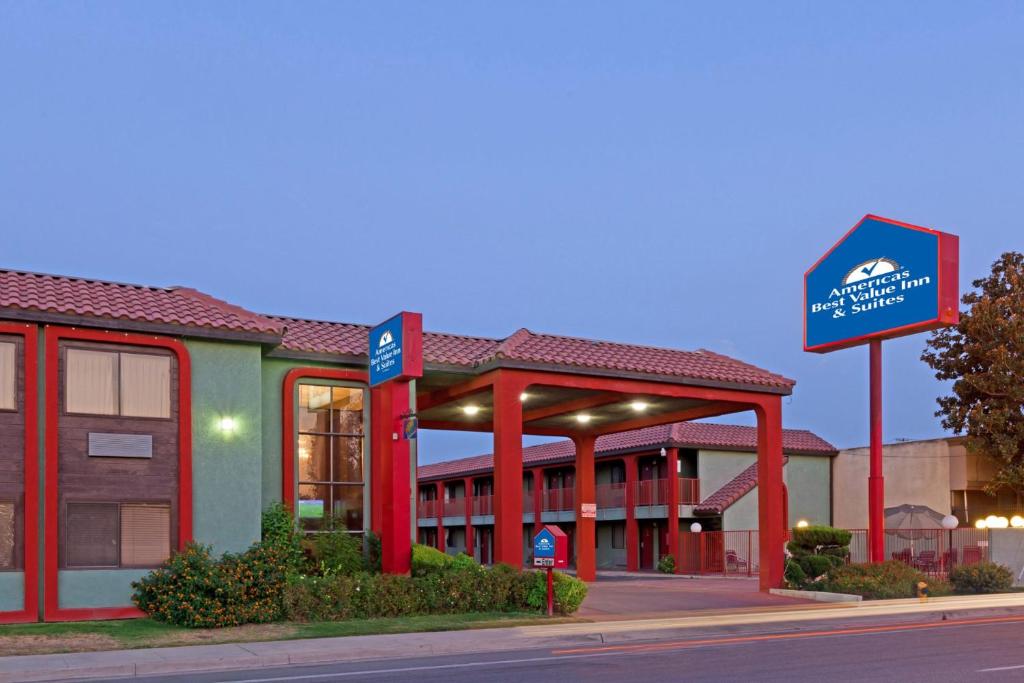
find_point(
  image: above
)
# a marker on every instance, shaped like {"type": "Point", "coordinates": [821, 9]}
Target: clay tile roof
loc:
{"type": "Point", "coordinates": [682, 434]}
{"type": "Point", "coordinates": [739, 486]}
{"type": "Point", "coordinates": [113, 301]}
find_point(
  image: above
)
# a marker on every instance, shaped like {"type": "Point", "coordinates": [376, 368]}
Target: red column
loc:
{"type": "Point", "coordinates": [538, 499]}
{"type": "Point", "coordinates": [508, 472]}
{"type": "Point", "coordinates": [467, 484]}
{"type": "Point", "coordinates": [771, 525]}
{"type": "Point", "coordinates": [396, 542]}
{"type": "Point", "coordinates": [632, 529]}
{"type": "Point", "coordinates": [440, 517]}
{"type": "Point", "coordinates": [586, 527]}
{"type": "Point", "coordinates": [672, 473]}
{"type": "Point", "coordinates": [876, 482]}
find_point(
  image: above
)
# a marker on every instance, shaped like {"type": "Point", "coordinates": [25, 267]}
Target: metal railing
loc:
{"type": "Point", "coordinates": [611, 495]}
{"type": "Point", "coordinates": [689, 491]}
{"type": "Point", "coordinates": [483, 505]}
{"type": "Point", "coordinates": [426, 509]}
{"type": "Point", "coordinates": [455, 507]}
{"type": "Point", "coordinates": [651, 492]}
{"type": "Point", "coordinates": [730, 553]}
{"type": "Point", "coordinates": [559, 500]}
{"type": "Point", "coordinates": [932, 551]}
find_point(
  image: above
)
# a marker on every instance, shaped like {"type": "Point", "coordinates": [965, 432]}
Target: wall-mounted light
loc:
{"type": "Point", "coordinates": [802, 524]}
{"type": "Point", "coordinates": [471, 410]}
{"type": "Point", "coordinates": [227, 425]}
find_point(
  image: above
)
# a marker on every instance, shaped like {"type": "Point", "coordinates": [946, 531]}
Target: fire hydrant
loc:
{"type": "Point", "coordinates": [922, 591]}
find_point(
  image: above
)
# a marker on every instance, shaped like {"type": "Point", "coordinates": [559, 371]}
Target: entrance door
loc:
{"type": "Point", "coordinates": [483, 543]}
{"type": "Point", "coordinates": [646, 546]}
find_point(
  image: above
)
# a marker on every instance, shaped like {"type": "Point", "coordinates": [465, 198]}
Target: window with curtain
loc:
{"type": "Point", "coordinates": [109, 534]}
{"type": "Point", "coordinates": [330, 457]}
{"type": "Point", "coordinates": [117, 383]}
{"type": "Point", "coordinates": [8, 376]}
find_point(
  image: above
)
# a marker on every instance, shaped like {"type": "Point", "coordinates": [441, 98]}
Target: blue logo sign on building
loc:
{"type": "Point", "coordinates": [395, 348]}
{"type": "Point", "coordinates": [883, 279]}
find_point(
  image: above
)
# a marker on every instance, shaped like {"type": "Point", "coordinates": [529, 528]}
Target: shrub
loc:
{"type": "Point", "coordinates": [813, 551]}
{"type": "Point", "coordinates": [277, 530]}
{"type": "Point", "coordinates": [982, 577]}
{"type": "Point", "coordinates": [667, 564]}
{"type": "Point", "coordinates": [373, 551]}
{"type": "Point", "coordinates": [426, 560]}
{"type": "Point", "coordinates": [338, 552]}
{"type": "Point", "coordinates": [569, 592]}
{"type": "Point", "coordinates": [193, 589]}
{"type": "Point", "coordinates": [880, 581]}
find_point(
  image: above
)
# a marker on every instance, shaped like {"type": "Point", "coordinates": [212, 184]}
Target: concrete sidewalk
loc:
{"type": "Point", "coordinates": [180, 660]}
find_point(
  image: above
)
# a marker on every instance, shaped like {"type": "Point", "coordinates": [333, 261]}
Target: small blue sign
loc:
{"type": "Point", "coordinates": [544, 544]}
{"type": "Point", "coordinates": [881, 280]}
{"type": "Point", "coordinates": [386, 362]}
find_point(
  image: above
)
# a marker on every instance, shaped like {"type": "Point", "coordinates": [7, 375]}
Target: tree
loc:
{"type": "Point", "coordinates": [984, 357]}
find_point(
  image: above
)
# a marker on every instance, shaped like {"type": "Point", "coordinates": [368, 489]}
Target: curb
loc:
{"type": "Point", "coordinates": [817, 596]}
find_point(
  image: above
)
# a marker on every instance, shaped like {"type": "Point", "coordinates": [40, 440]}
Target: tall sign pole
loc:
{"type": "Point", "coordinates": [883, 279]}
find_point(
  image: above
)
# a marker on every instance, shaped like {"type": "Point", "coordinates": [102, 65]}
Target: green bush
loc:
{"type": "Point", "coordinates": [880, 581]}
{"type": "Point", "coordinates": [569, 592]}
{"type": "Point", "coordinates": [667, 564]}
{"type": "Point", "coordinates": [426, 560]}
{"type": "Point", "coordinates": [814, 551]}
{"type": "Point", "coordinates": [278, 531]}
{"type": "Point", "coordinates": [338, 552]}
{"type": "Point", "coordinates": [195, 590]}
{"type": "Point", "coordinates": [982, 577]}
{"type": "Point", "coordinates": [373, 551]}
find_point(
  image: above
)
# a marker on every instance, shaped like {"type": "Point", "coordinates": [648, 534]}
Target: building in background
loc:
{"type": "Point", "coordinates": [714, 483]}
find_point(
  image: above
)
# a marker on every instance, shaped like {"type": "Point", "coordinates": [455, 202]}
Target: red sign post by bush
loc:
{"type": "Point", "coordinates": [551, 551]}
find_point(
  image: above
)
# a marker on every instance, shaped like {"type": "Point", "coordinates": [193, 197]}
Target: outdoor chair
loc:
{"type": "Point", "coordinates": [904, 556]}
{"type": "Point", "coordinates": [733, 562]}
{"type": "Point", "coordinates": [949, 559]}
{"type": "Point", "coordinates": [926, 561]}
{"type": "Point", "coordinates": [972, 554]}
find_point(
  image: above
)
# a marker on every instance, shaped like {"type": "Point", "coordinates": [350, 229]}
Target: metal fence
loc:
{"type": "Point", "coordinates": [730, 553]}
{"type": "Point", "coordinates": [559, 500]}
{"type": "Point", "coordinates": [932, 551]}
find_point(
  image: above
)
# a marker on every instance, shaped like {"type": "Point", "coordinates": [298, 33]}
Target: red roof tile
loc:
{"type": "Point", "coordinates": [680, 434]}
{"type": "Point", "coordinates": [528, 348]}
{"type": "Point", "coordinates": [80, 297]}
{"type": "Point", "coordinates": [739, 486]}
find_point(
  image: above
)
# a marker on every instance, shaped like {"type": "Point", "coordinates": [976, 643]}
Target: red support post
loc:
{"type": "Point", "coordinates": [672, 518]}
{"type": "Point", "coordinates": [396, 543]}
{"type": "Point", "coordinates": [632, 528]}
{"type": "Point", "coordinates": [467, 484]}
{"type": "Point", "coordinates": [441, 545]}
{"type": "Point", "coordinates": [538, 499]}
{"type": "Point", "coordinates": [876, 481]}
{"type": "Point", "coordinates": [508, 471]}
{"type": "Point", "coordinates": [586, 527]}
{"type": "Point", "coordinates": [769, 490]}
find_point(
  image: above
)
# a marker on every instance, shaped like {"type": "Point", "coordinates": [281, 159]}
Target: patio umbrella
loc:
{"type": "Point", "coordinates": [906, 521]}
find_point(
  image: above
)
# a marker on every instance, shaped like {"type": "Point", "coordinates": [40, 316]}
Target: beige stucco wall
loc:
{"type": "Point", "coordinates": [916, 473]}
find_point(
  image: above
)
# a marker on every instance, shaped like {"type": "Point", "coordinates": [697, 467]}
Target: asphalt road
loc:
{"type": "Point", "coordinates": [985, 649]}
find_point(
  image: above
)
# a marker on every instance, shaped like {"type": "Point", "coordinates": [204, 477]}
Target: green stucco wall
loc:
{"type": "Point", "coordinates": [97, 587]}
{"type": "Point", "coordinates": [807, 479]}
{"type": "Point", "coordinates": [12, 591]}
{"type": "Point", "coordinates": [227, 469]}
{"type": "Point", "coordinates": [717, 468]}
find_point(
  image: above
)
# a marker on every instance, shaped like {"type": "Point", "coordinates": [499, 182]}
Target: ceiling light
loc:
{"type": "Point", "coordinates": [638, 406]}
{"type": "Point", "coordinates": [583, 418]}
{"type": "Point", "coordinates": [523, 396]}
{"type": "Point", "coordinates": [471, 410]}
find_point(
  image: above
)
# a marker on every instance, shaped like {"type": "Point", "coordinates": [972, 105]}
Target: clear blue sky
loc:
{"type": "Point", "coordinates": [639, 172]}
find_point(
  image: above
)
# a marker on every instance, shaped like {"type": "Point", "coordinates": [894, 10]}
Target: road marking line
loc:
{"type": "Point", "coordinates": [678, 644]}
{"type": "Point", "coordinates": [1001, 668]}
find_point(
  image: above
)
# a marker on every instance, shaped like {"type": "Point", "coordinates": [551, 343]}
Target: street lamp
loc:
{"type": "Point", "coordinates": [949, 522]}
{"type": "Point", "coordinates": [695, 527]}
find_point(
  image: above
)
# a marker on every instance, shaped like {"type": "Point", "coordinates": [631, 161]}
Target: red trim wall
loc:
{"type": "Point", "coordinates": [30, 533]}
{"type": "Point", "coordinates": [53, 334]}
{"type": "Point", "coordinates": [288, 426]}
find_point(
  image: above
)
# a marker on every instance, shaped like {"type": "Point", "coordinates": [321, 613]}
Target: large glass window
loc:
{"type": "Point", "coordinates": [8, 376]}
{"type": "Point", "coordinates": [115, 383]}
{"type": "Point", "coordinates": [330, 457]}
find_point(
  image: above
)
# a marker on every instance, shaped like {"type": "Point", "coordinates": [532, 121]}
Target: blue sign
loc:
{"type": "Point", "coordinates": [544, 544]}
{"type": "Point", "coordinates": [386, 360]}
{"type": "Point", "coordinates": [883, 279]}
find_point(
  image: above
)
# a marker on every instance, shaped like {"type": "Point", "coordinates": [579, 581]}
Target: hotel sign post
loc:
{"type": "Point", "coordinates": [550, 551]}
{"type": "Point", "coordinates": [883, 279]}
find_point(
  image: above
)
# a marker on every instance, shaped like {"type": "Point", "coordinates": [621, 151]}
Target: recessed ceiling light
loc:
{"type": "Point", "coordinates": [523, 396]}
{"type": "Point", "coordinates": [583, 418]}
{"type": "Point", "coordinates": [471, 410]}
{"type": "Point", "coordinates": [638, 406]}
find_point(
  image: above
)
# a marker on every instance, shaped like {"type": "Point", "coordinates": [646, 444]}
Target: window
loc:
{"type": "Point", "coordinates": [330, 457]}
{"type": "Point", "coordinates": [114, 383]}
{"type": "Point", "coordinates": [7, 535]}
{"type": "Point", "coordinates": [619, 536]}
{"type": "Point", "coordinates": [8, 376]}
{"type": "Point", "coordinates": [117, 534]}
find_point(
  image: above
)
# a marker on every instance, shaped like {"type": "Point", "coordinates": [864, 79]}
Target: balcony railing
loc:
{"type": "Point", "coordinates": [689, 491]}
{"type": "Point", "coordinates": [528, 502]}
{"type": "Point", "coordinates": [426, 509]}
{"type": "Point", "coordinates": [651, 492]}
{"type": "Point", "coordinates": [455, 507]}
{"type": "Point", "coordinates": [611, 495]}
{"type": "Point", "coordinates": [483, 505]}
{"type": "Point", "coordinates": [557, 500]}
